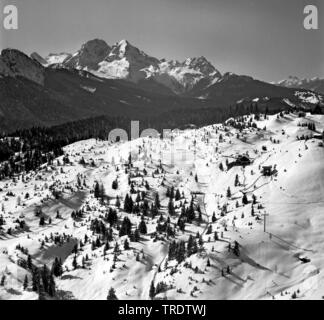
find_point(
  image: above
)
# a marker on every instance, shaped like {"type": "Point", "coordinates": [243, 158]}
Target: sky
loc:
{"type": "Point", "coordinates": [261, 38]}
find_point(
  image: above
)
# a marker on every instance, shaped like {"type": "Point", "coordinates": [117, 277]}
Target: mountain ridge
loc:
{"type": "Point", "coordinates": [125, 61]}
{"type": "Point", "coordinates": [35, 94]}
{"type": "Point", "coordinates": [314, 84]}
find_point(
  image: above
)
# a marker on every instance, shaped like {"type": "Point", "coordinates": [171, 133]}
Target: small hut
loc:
{"type": "Point", "coordinates": [241, 161]}
{"type": "Point", "coordinates": [269, 171]}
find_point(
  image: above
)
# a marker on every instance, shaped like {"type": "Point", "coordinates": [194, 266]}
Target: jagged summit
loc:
{"type": "Point", "coordinates": [124, 49]}
{"type": "Point", "coordinates": [91, 53]}
{"type": "Point", "coordinates": [201, 64]}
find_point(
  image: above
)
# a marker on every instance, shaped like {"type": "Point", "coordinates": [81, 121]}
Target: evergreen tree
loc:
{"type": "Point", "coordinates": [142, 227]}
{"type": "Point", "coordinates": [191, 246]}
{"type": "Point", "coordinates": [29, 262]}
{"type": "Point", "coordinates": [97, 190]}
{"type": "Point", "coordinates": [42, 221]}
{"type": "Point", "coordinates": [245, 199]}
{"type": "Point", "coordinates": [25, 282]}
{"type": "Point", "coordinates": [136, 235]}
{"type": "Point", "coordinates": [177, 195]}
{"type": "Point", "coordinates": [112, 294]}
{"type": "Point", "coordinates": [115, 185]}
{"type": "Point", "coordinates": [152, 290]}
{"type": "Point", "coordinates": [35, 279]}
{"type": "Point", "coordinates": [172, 193]}
{"type": "Point", "coordinates": [3, 279]}
{"type": "Point", "coordinates": [102, 193]}
{"type": "Point", "coordinates": [171, 209]}
{"type": "Point", "coordinates": [126, 227]}
{"type": "Point", "coordinates": [75, 263]}
{"type": "Point", "coordinates": [126, 244]}
{"type": "Point", "coordinates": [237, 182]}
{"type": "Point", "coordinates": [112, 217]}
{"type": "Point", "coordinates": [45, 277]}
{"type": "Point", "coordinates": [57, 268]}
{"type": "Point", "coordinates": [138, 197]}
{"type": "Point", "coordinates": [51, 286]}
{"type": "Point", "coordinates": [128, 204]}
{"type": "Point", "coordinates": [209, 229]}
{"type": "Point", "coordinates": [117, 202]}
{"type": "Point", "coordinates": [236, 249]}
{"type": "Point", "coordinates": [180, 255]}
{"type": "Point", "coordinates": [157, 203]}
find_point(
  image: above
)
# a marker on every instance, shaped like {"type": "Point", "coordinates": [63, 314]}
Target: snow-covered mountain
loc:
{"type": "Point", "coordinates": [128, 62]}
{"type": "Point", "coordinates": [184, 76]}
{"type": "Point", "coordinates": [314, 84]}
{"type": "Point", "coordinates": [125, 61]}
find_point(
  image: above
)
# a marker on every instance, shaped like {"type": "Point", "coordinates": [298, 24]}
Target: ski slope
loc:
{"type": "Point", "coordinates": [269, 265]}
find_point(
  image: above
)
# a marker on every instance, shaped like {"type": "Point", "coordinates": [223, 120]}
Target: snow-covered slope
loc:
{"type": "Point", "coordinates": [284, 262]}
{"type": "Point", "coordinates": [57, 58]}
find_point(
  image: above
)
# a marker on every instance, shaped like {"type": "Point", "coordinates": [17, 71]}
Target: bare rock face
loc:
{"type": "Point", "coordinates": [5, 70]}
{"type": "Point", "coordinates": [202, 65]}
{"type": "Point", "coordinates": [16, 63]}
{"type": "Point", "coordinates": [90, 54]}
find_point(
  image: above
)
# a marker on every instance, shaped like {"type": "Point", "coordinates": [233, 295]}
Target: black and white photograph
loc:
{"type": "Point", "coordinates": [157, 150]}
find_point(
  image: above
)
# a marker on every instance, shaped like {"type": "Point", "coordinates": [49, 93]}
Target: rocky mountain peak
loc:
{"type": "Point", "coordinates": [90, 54]}
{"type": "Point", "coordinates": [202, 65]}
{"type": "Point", "coordinates": [15, 63]}
{"type": "Point", "coordinates": [123, 49]}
